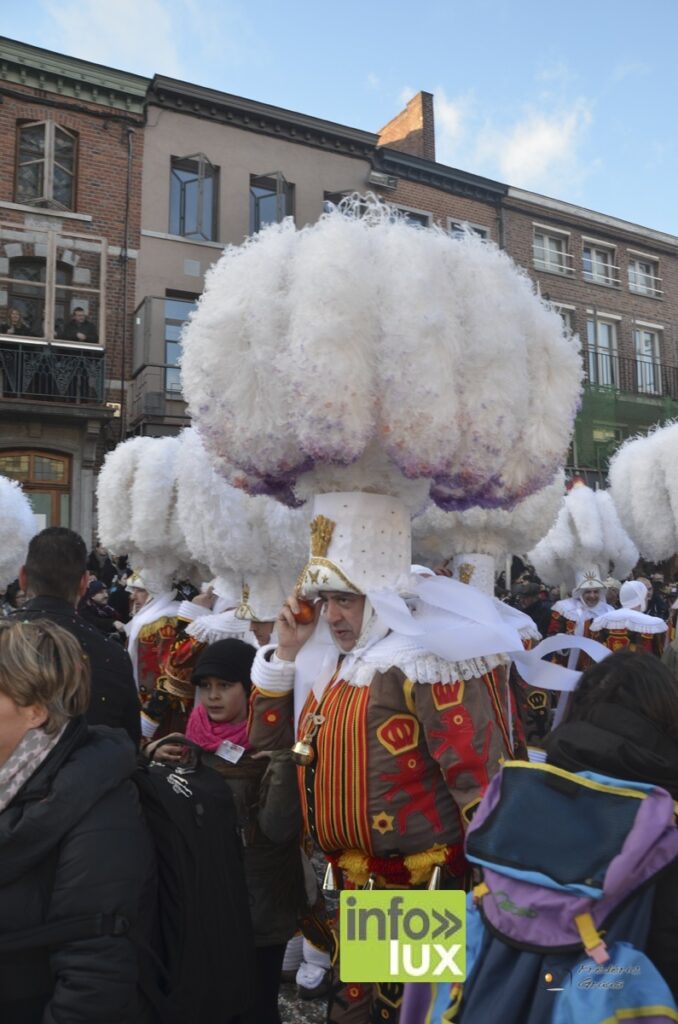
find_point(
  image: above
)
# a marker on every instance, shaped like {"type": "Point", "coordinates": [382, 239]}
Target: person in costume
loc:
{"type": "Point", "coordinates": [425, 735]}
{"type": "Point", "coordinates": [629, 627]}
{"type": "Point", "coordinates": [573, 615]}
{"type": "Point", "coordinates": [150, 634]}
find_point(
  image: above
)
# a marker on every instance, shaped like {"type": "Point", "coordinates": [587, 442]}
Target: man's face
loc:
{"type": "Point", "coordinates": [138, 598]}
{"type": "Point", "coordinates": [590, 597]}
{"type": "Point", "coordinates": [344, 615]}
{"type": "Point", "coordinates": [101, 598]}
{"type": "Point", "coordinates": [79, 316]}
{"type": "Point", "coordinates": [262, 632]}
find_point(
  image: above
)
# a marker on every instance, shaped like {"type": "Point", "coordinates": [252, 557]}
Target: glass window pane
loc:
{"type": "Point", "coordinates": [63, 186]}
{"type": "Point", "coordinates": [29, 181]}
{"type": "Point", "coordinates": [173, 380]}
{"type": "Point", "coordinates": [42, 508]}
{"type": "Point", "coordinates": [46, 469]}
{"type": "Point", "coordinates": [32, 142]}
{"type": "Point", "coordinates": [173, 331]}
{"type": "Point", "coordinates": [172, 352]}
{"type": "Point", "coordinates": [14, 466]}
{"type": "Point", "coordinates": [178, 309]}
{"type": "Point", "coordinates": [64, 510]}
{"type": "Point", "coordinates": [64, 148]}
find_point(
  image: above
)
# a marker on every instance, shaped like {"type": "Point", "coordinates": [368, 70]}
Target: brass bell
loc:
{"type": "Point", "coordinates": [303, 753]}
{"type": "Point", "coordinates": [330, 881]}
{"type": "Point", "coordinates": [370, 883]}
{"type": "Point", "coordinates": [434, 881]}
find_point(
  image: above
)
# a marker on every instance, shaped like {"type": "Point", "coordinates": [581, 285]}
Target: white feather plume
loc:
{"type": "Point", "coordinates": [309, 348]}
{"type": "Point", "coordinates": [586, 533]}
{"type": "Point", "coordinates": [114, 494]}
{"type": "Point", "coordinates": [17, 526]}
{"type": "Point", "coordinates": [644, 486]}
{"type": "Point", "coordinates": [438, 535]}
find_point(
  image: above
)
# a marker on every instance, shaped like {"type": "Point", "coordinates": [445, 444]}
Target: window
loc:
{"type": "Point", "coordinates": [46, 275]}
{"type": "Point", "coordinates": [598, 265]}
{"type": "Point", "coordinates": [271, 200]}
{"type": "Point", "coordinates": [602, 361]}
{"type": "Point", "coordinates": [549, 252]}
{"type": "Point", "coordinates": [648, 369]}
{"type": "Point", "coordinates": [46, 479]}
{"type": "Point", "coordinates": [194, 185]}
{"type": "Point", "coordinates": [46, 160]}
{"type": "Point", "coordinates": [177, 312]}
{"type": "Point", "coordinates": [644, 276]}
{"type": "Point", "coordinates": [457, 228]}
{"type": "Point", "coordinates": [567, 316]}
{"type": "Point", "coordinates": [417, 218]}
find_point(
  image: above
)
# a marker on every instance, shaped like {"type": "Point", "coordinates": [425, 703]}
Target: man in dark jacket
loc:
{"type": "Point", "coordinates": [55, 578]}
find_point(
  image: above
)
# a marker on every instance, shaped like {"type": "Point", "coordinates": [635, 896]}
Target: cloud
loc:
{"type": "Point", "coordinates": [451, 116]}
{"type": "Point", "coordinates": [373, 80]}
{"type": "Point", "coordinates": [406, 94]}
{"type": "Point", "coordinates": [541, 150]}
{"type": "Point", "coordinates": [140, 37]}
{"type": "Point", "coordinates": [629, 70]}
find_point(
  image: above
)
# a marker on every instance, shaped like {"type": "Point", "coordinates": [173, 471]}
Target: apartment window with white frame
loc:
{"type": "Point", "coordinates": [46, 165]}
{"type": "Point", "coordinates": [602, 362]}
{"type": "Point", "coordinates": [644, 276]}
{"type": "Point", "coordinates": [417, 218]}
{"type": "Point", "coordinates": [550, 252]}
{"type": "Point", "coordinates": [646, 341]}
{"type": "Point", "coordinates": [598, 264]}
{"type": "Point", "coordinates": [458, 228]}
{"type": "Point", "coordinates": [566, 315]}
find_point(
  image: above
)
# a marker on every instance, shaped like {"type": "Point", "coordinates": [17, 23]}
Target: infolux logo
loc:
{"type": "Point", "coordinates": [402, 936]}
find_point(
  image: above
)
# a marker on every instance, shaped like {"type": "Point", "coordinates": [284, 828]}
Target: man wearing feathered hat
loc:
{"type": "Point", "coordinates": [395, 744]}
{"type": "Point", "coordinates": [629, 627]}
{"type": "Point", "coordinates": [573, 615]}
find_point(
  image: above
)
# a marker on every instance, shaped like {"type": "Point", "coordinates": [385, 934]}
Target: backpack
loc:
{"type": "Point", "coordinates": [203, 933]}
{"type": "Point", "coordinates": [556, 929]}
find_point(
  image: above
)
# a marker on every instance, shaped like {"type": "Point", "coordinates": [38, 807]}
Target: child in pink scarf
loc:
{"type": "Point", "coordinates": [267, 803]}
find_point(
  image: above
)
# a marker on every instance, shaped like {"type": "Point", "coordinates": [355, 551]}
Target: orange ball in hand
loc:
{"type": "Point", "coordinates": [306, 613]}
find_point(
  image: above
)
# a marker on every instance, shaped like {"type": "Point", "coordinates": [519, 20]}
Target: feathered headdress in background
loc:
{"type": "Point", "coordinates": [643, 480]}
{"type": "Point", "coordinates": [586, 533]}
{"type": "Point", "coordinates": [360, 354]}
{"type": "Point", "coordinates": [236, 535]}
{"type": "Point", "coordinates": [17, 526]}
{"type": "Point", "coordinates": [137, 513]}
{"type": "Point", "coordinates": [438, 535]}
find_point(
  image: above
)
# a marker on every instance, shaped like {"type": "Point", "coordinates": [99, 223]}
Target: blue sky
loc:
{"type": "Point", "coordinates": [575, 99]}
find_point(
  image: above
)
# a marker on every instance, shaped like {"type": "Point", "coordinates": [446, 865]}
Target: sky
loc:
{"type": "Point", "coordinates": [575, 99]}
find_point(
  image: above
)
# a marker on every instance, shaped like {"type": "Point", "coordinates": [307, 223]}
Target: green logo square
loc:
{"type": "Point", "coordinates": [395, 935]}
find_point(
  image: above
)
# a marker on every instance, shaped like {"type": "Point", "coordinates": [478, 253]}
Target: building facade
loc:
{"type": "Point", "coordinates": [70, 202]}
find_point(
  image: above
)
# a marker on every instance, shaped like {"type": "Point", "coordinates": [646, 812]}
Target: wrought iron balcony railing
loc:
{"type": "Point", "coordinates": [47, 373]}
{"type": "Point", "coordinates": [639, 376]}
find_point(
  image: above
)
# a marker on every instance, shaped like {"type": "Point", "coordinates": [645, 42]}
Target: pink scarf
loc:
{"type": "Point", "coordinates": [210, 735]}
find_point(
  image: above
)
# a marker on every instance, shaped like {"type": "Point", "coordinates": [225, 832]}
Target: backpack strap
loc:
{"type": "Point", "coordinates": [590, 936]}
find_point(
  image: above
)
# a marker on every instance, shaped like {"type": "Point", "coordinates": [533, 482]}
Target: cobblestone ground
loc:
{"type": "Point", "coordinates": [294, 1010]}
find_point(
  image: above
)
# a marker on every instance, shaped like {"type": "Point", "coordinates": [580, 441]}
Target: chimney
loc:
{"type": "Point", "coordinates": [412, 130]}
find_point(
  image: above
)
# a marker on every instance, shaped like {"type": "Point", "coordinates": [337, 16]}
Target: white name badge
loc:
{"type": "Point", "coordinates": [230, 751]}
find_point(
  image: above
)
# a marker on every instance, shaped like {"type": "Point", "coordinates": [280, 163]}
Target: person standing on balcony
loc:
{"type": "Point", "coordinates": [79, 328]}
{"type": "Point", "coordinates": [14, 323]}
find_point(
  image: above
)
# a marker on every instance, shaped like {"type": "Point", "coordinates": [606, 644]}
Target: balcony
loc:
{"type": "Point", "coordinates": [44, 373]}
{"type": "Point", "coordinates": [608, 371]}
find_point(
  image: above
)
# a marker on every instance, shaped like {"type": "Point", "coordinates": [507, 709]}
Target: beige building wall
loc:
{"type": "Point", "coordinates": [167, 262]}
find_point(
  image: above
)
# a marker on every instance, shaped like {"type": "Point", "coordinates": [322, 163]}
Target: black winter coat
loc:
{"type": "Point", "coordinates": [74, 842]}
{"type": "Point", "coordinates": [114, 701]}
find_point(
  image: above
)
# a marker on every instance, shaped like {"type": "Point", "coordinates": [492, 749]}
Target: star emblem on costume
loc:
{"type": "Point", "coordinates": [382, 823]}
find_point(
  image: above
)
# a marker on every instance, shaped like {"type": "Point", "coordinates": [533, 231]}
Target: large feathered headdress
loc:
{"type": "Point", "coordinates": [17, 526]}
{"type": "Point", "coordinates": [644, 484]}
{"type": "Point", "coordinates": [361, 354]}
{"type": "Point", "coordinates": [587, 533]}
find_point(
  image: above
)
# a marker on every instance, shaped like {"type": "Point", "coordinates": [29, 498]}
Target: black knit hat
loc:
{"type": "Point", "coordinates": [229, 659]}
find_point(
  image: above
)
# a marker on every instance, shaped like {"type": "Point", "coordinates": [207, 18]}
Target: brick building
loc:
{"type": "Point", "coordinates": [70, 200]}
{"type": "Point", "coordinates": [614, 283]}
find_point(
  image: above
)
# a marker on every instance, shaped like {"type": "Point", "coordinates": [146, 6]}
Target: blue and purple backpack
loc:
{"type": "Point", "coordinates": [557, 927]}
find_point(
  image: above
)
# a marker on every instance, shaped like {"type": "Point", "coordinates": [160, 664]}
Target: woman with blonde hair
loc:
{"type": "Point", "coordinates": [75, 856]}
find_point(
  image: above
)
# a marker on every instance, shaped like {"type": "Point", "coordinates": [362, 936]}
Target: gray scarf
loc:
{"type": "Point", "coordinates": [24, 761]}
